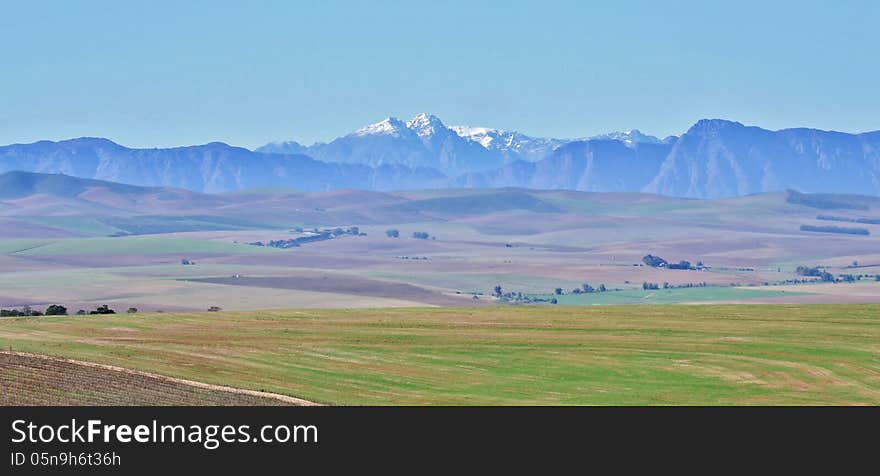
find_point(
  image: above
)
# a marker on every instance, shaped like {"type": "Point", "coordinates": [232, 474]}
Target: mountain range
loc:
{"type": "Point", "coordinates": [713, 159]}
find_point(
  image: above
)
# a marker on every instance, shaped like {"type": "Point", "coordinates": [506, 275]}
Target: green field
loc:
{"type": "Point", "coordinates": [668, 296]}
{"type": "Point", "coordinates": [127, 245]}
{"type": "Point", "coordinates": [608, 355]}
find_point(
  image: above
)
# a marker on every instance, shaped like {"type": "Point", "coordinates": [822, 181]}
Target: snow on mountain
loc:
{"type": "Point", "coordinates": [289, 147]}
{"type": "Point", "coordinates": [425, 125]}
{"type": "Point", "coordinates": [390, 126]}
{"type": "Point", "coordinates": [511, 144]}
{"type": "Point", "coordinates": [425, 141]}
{"type": "Point", "coordinates": [630, 137]}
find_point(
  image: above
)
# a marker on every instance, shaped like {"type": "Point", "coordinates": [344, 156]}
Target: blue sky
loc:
{"type": "Point", "coordinates": [155, 73]}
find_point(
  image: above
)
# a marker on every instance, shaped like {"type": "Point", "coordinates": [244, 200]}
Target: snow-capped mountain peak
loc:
{"type": "Point", "coordinates": [389, 126]}
{"type": "Point", "coordinates": [511, 144]}
{"type": "Point", "coordinates": [630, 137]}
{"type": "Point", "coordinates": [485, 136]}
{"type": "Point", "coordinates": [425, 125]}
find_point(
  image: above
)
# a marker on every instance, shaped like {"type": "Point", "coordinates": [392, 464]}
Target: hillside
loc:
{"type": "Point", "coordinates": [102, 208]}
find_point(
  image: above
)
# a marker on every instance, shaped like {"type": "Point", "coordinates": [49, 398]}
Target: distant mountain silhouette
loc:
{"type": "Point", "coordinates": [718, 158]}
{"type": "Point", "coordinates": [714, 158]}
{"type": "Point", "coordinates": [214, 167]}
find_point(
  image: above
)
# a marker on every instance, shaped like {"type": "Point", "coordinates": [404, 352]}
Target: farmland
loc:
{"type": "Point", "coordinates": [36, 380]}
{"type": "Point", "coordinates": [127, 246]}
{"type": "Point", "coordinates": [605, 355]}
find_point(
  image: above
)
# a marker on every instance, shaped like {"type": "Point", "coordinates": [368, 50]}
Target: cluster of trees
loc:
{"type": "Point", "coordinates": [586, 288]}
{"type": "Point", "coordinates": [815, 272]}
{"type": "Point", "coordinates": [187, 262]}
{"type": "Point", "coordinates": [419, 235]}
{"type": "Point", "coordinates": [512, 297]}
{"type": "Point", "coordinates": [27, 311]}
{"type": "Point", "coordinates": [316, 235]}
{"type": "Point", "coordinates": [686, 285]}
{"type": "Point", "coordinates": [851, 278]}
{"type": "Point", "coordinates": [658, 262]}
{"type": "Point", "coordinates": [868, 221]}
{"type": "Point", "coordinates": [654, 261]}
{"type": "Point", "coordinates": [103, 309]}
{"type": "Point", "coordinates": [647, 286]}
{"type": "Point", "coordinates": [824, 201]}
{"type": "Point", "coordinates": [836, 229]}
{"type": "Point", "coordinates": [58, 310]}
{"type": "Point", "coordinates": [825, 276]}
{"type": "Point", "coordinates": [518, 297]}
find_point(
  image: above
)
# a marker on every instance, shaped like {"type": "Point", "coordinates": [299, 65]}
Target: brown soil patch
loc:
{"type": "Point", "coordinates": [33, 379]}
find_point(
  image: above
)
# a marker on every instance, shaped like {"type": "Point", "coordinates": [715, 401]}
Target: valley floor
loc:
{"type": "Point", "coordinates": [450, 248]}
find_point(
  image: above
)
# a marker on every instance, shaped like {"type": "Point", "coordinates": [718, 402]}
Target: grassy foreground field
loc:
{"type": "Point", "coordinates": [712, 354]}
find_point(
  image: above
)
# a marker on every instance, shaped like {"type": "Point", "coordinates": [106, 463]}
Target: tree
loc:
{"type": "Point", "coordinates": [420, 235]}
{"type": "Point", "coordinates": [554, 301]}
{"type": "Point", "coordinates": [81, 312]}
{"type": "Point", "coordinates": [653, 261]}
{"type": "Point", "coordinates": [214, 309]}
{"type": "Point", "coordinates": [498, 290]}
{"type": "Point", "coordinates": [587, 288]}
{"type": "Point", "coordinates": [683, 264]}
{"type": "Point", "coordinates": [103, 309]}
{"type": "Point", "coordinates": [601, 288]}
{"type": "Point", "coordinates": [392, 233]}
{"type": "Point", "coordinates": [56, 310]}
{"type": "Point", "coordinates": [557, 291]}
{"type": "Point", "coordinates": [132, 310]}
